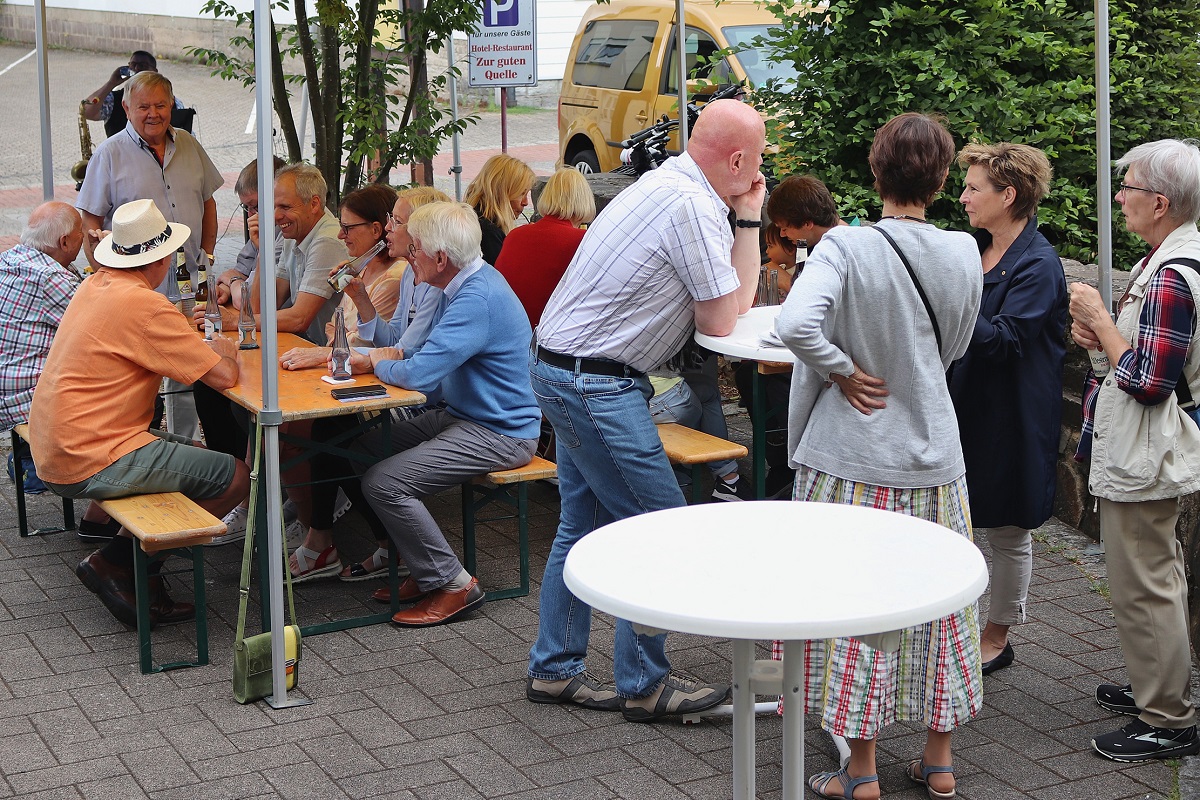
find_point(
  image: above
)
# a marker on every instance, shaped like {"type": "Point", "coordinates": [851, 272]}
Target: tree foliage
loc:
{"type": "Point", "coordinates": [372, 108]}
{"type": "Point", "coordinates": [998, 70]}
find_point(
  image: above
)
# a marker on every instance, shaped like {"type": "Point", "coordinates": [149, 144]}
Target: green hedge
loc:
{"type": "Point", "coordinates": [999, 70]}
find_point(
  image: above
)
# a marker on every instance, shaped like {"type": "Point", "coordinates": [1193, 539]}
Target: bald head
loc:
{"type": "Point", "coordinates": [727, 144]}
{"type": "Point", "coordinates": [56, 229]}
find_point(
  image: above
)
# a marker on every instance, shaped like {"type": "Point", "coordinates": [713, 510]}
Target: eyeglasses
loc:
{"type": "Point", "coordinates": [346, 228]}
{"type": "Point", "coordinates": [1124, 187]}
{"type": "Point", "coordinates": [394, 223]}
{"type": "Point", "coordinates": [249, 208]}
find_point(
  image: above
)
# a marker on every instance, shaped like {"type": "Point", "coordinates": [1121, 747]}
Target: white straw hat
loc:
{"type": "Point", "coordinates": [140, 235]}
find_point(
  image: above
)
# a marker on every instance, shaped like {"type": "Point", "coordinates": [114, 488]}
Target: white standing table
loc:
{"type": "Point", "coordinates": [744, 343]}
{"type": "Point", "coordinates": [843, 571]}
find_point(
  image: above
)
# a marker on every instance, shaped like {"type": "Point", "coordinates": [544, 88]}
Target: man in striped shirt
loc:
{"type": "Point", "coordinates": [658, 263]}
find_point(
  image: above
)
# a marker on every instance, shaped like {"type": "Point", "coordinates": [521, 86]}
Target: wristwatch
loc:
{"type": "Point", "coordinates": [749, 223]}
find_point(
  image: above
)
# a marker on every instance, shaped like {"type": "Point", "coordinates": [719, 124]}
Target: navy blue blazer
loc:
{"type": "Point", "coordinates": [1007, 389]}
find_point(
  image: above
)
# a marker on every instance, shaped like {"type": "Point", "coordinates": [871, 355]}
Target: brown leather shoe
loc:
{"type": "Point", "coordinates": [441, 606]}
{"type": "Point", "coordinates": [409, 592]}
{"type": "Point", "coordinates": [164, 610]}
{"type": "Point", "coordinates": [113, 584]}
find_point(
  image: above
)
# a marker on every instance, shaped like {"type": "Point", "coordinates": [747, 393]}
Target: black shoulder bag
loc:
{"type": "Point", "coordinates": [937, 331]}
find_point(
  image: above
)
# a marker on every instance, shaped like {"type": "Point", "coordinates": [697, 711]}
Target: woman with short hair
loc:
{"type": "Point", "coordinates": [535, 256]}
{"type": "Point", "coordinates": [1007, 389]}
{"type": "Point", "coordinates": [883, 435]}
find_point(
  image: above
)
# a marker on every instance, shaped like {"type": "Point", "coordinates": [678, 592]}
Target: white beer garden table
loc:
{"type": "Point", "coordinates": [843, 571]}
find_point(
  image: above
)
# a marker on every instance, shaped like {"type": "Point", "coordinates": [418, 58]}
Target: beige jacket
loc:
{"type": "Point", "coordinates": [1149, 452]}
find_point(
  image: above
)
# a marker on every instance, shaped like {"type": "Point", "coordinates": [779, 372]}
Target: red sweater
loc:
{"type": "Point", "coordinates": [534, 258]}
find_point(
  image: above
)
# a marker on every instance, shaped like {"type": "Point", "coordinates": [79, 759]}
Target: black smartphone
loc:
{"type": "Point", "coordinates": [349, 393]}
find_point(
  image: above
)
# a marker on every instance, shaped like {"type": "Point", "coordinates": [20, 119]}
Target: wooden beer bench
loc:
{"type": "Point", "coordinates": [493, 487]}
{"type": "Point", "coordinates": [20, 447]}
{"type": "Point", "coordinates": [163, 523]}
{"type": "Point", "coordinates": [692, 448]}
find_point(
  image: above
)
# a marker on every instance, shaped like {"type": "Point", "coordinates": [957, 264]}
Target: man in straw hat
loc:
{"type": "Point", "coordinates": [94, 402]}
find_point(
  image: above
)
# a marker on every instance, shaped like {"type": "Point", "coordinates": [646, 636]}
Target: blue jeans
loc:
{"type": "Point", "coordinates": [611, 465]}
{"type": "Point", "coordinates": [680, 405]}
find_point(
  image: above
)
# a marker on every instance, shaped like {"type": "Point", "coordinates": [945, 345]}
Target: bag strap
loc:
{"type": "Point", "coordinates": [1182, 392]}
{"type": "Point", "coordinates": [248, 550]}
{"type": "Point", "coordinates": [937, 331]}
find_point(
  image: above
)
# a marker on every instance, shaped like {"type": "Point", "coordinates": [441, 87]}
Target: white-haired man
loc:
{"type": "Point", "coordinates": [91, 412]}
{"type": "Point", "coordinates": [476, 353]}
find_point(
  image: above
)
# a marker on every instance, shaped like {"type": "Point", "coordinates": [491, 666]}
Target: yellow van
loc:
{"type": "Point", "coordinates": [622, 72]}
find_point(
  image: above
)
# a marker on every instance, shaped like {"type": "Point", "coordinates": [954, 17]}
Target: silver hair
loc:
{"type": "Point", "coordinates": [47, 226]}
{"type": "Point", "coordinates": [1170, 167]}
{"type": "Point", "coordinates": [146, 80]}
{"type": "Point", "coordinates": [308, 179]}
{"type": "Point", "coordinates": [450, 228]}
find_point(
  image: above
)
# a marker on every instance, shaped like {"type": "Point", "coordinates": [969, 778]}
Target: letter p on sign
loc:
{"type": "Point", "coordinates": [500, 14]}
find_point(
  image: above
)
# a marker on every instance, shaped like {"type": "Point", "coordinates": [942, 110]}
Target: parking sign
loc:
{"type": "Point", "coordinates": [502, 52]}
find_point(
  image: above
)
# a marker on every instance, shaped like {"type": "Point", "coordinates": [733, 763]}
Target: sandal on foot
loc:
{"type": "Point", "coordinates": [311, 564]}
{"type": "Point", "coordinates": [373, 566]}
{"type": "Point", "coordinates": [820, 782]}
{"type": "Point", "coordinates": [919, 773]}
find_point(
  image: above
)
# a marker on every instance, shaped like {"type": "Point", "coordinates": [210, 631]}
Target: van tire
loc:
{"type": "Point", "coordinates": [585, 161]}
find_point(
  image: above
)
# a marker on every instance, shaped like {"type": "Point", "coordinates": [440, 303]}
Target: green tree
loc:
{"type": "Point", "coordinates": [998, 70]}
{"type": "Point", "coordinates": [372, 108]}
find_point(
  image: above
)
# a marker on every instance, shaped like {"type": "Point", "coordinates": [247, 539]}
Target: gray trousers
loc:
{"type": "Point", "coordinates": [1012, 566]}
{"type": "Point", "coordinates": [1149, 597]}
{"type": "Point", "coordinates": [433, 452]}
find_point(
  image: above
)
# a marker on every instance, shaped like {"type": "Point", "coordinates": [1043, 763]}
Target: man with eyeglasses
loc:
{"type": "Point", "coordinates": [229, 292]}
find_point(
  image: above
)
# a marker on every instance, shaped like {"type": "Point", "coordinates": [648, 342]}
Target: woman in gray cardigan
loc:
{"type": "Point", "coordinates": [871, 423]}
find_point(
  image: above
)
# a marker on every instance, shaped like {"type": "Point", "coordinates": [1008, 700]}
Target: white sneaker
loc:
{"type": "Point", "coordinates": [341, 505]}
{"type": "Point", "coordinates": [235, 527]}
{"type": "Point", "coordinates": [295, 534]}
{"type": "Point", "coordinates": [289, 511]}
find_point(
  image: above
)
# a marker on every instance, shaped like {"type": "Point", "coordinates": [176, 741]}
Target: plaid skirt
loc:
{"type": "Point", "coordinates": [934, 678]}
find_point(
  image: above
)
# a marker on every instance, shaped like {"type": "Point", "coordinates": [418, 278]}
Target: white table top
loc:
{"type": "Point", "coordinates": [743, 342]}
{"type": "Point", "coordinates": [776, 570]}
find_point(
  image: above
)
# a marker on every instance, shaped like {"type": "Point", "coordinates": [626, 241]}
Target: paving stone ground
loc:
{"type": "Point", "coordinates": [440, 714]}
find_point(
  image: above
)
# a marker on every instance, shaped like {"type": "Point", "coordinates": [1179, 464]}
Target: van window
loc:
{"type": "Point", "coordinates": [613, 54]}
{"type": "Point", "coordinates": [759, 69]}
{"type": "Point", "coordinates": [700, 48]}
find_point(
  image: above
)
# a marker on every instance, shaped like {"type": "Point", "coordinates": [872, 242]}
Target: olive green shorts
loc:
{"type": "Point", "coordinates": [168, 464]}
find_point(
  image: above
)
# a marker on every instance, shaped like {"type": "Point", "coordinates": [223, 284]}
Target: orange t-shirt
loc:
{"type": "Point", "coordinates": [95, 398]}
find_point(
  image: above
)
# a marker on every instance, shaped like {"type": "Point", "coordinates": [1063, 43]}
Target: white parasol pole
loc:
{"type": "Point", "coordinates": [680, 43]}
{"type": "Point", "coordinates": [39, 35]}
{"type": "Point", "coordinates": [1103, 157]}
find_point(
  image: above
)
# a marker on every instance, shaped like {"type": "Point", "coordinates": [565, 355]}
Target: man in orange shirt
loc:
{"type": "Point", "coordinates": [93, 404]}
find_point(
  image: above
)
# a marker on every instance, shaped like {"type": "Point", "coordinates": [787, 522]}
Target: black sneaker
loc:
{"type": "Point", "coordinates": [1138, 741]}
{"type": "Point", "coordinates": [90, 531]}
{"type": "Point", "coordinates": [1117, 698]}
{"type": "Point", "coordinates": [582, 690]}
{"type": "Point", "coordinates": [742, 490]}
{"type": "Point", "coordinates": [676, 695]}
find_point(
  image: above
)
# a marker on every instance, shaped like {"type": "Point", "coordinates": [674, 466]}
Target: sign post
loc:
{"type": "Point", "coordinates": [502, 51]}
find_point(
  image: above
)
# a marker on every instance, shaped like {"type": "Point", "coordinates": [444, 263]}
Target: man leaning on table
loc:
{"type": "Point", "coordinates": [476, 353]}
{"type": "Point", "coordinates": [658, 263]}
{"type": "Point", "coordinates": [94, 402]}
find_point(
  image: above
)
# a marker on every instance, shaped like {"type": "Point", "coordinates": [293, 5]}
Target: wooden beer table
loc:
{"type": "Point", "coordinates": [304, 396]}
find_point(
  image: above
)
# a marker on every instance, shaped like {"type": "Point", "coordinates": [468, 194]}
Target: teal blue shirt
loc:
{"type": "Point", "coordinates": [478, 352]}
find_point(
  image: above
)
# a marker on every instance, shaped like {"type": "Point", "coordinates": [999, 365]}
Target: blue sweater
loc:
{"type": "Point", "coordinates": [478, 352]}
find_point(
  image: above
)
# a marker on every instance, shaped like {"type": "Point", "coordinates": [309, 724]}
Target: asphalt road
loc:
{"type": "Point", "coordinates": [224, 125]}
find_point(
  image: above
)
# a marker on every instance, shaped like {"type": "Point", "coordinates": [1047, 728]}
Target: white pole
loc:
{"type": "Point", "coordinates": [1103, 157]}
{"type": "Point", "coordinates": [455, 139]}
{"type": "Point", "coordinates": [39, 36]}
{"type": "Point", "coordinates": [270, 416]}
{"type": "Point", "coordinates": [680, 42]}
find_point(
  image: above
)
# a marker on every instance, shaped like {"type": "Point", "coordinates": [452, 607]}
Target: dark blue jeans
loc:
{"type": "Point", "coordinates": [611, 465]}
